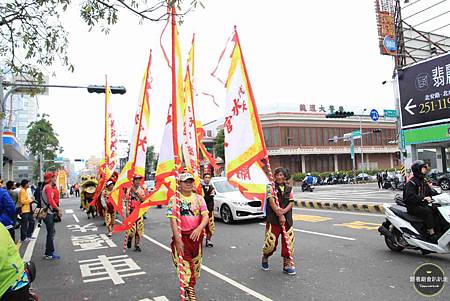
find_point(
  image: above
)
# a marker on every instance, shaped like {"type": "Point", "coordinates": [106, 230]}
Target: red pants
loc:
{"type": "Point", "coordinates": [271, 240]}
{"type": "Point", "coordinates": [192, 260]}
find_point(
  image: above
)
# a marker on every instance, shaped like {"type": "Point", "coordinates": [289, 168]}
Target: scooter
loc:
{"type": "Point", "coordinates": [307, 187]}
{"type": "Point", "coordinates": [404, 231]}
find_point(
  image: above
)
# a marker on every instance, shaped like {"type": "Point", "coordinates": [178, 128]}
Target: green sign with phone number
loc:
{"type": "Point", "coordinates": [428, 134]}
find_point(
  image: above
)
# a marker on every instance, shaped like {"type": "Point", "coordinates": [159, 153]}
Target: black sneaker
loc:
{"type": "Point", "coordinates": [208, 244]}
{"type": "Point", "coordinates": [137, 249]}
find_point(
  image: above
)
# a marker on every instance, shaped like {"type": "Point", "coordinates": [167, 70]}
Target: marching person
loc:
{"type": "Point", "coordinates": [135, 195]}
{"type": "Point", "coordinates": [208, 193]}
{"type": "Point", "coordinates": [193, 215]}
{"type": "Point", "coordinates": [278, 215]}
{"type": "Point", "coordinates": [110, 215]}
{"type": "Point", "coordinates": [27, 222]}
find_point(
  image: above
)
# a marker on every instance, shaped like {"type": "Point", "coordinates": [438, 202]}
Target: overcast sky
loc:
{"type": "Point", "coordinates": [312, 52]}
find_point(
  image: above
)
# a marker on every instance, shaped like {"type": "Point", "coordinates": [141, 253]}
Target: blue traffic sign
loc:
{"type": "Point", "coordinates": [374, 115]}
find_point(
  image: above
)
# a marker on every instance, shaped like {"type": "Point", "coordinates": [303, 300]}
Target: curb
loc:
{"type": "Point", "coordinates": [342, 206]}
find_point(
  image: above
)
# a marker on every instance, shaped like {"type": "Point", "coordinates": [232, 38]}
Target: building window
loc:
{"type": "Point", "coordinates": [275, 136]}
{"type": "Point", "coordinates": [302, 136]}
{"type": "Point", "coordinates": [266, 133]}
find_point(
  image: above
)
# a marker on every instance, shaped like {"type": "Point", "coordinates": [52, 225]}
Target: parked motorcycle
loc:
{"type": "Point", "coordinates": [404, 231]}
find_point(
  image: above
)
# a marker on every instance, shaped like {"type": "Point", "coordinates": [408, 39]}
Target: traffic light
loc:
{"type": "Point", "coordinates": [101, 89]}
{"type": "Point", "coordinates": [339, 114]}
{"type": "Point", "coordinates": [376, 131]}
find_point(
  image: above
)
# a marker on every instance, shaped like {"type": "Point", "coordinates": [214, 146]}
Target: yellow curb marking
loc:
{"type": "Point", "coordinates": [359, 225]}
{"type": "Point", "coordinates": [310, 218]}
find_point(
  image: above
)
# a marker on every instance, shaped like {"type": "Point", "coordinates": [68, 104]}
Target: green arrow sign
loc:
{"type": "Point", "coordinates": [356, 134]}
{"type": "Point", "coordinates": [390, 114]}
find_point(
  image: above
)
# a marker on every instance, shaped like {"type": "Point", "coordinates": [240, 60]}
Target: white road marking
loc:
{"type": "Point", "coordinates": [321, 234]}
{"type": "Point", "coordinates": [160, 298]}
{"type": "Point", "coordinates": [217, 274]}
{"type": "Point", "coordinates": [68, 211]}
{"type": "Point", "coordinates": [30, 247]}
{"type": "Point", "coordinates": [340, 212]}
{"type": "Point", "coordinates": [110, 267]}
{"type": "Point", "coordinates": [76, 218]}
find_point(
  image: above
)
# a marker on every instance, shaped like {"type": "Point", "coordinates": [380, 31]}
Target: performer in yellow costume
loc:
{"type": "Point", "coordinates": [87, 194]}
{"type": "Point", "coordinates": [135, 195]}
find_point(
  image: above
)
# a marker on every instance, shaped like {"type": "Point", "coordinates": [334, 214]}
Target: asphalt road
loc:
{"type": "Point", "coordinates": [339, 256]}
{"type": "Point", "coordinates": [365, 193]}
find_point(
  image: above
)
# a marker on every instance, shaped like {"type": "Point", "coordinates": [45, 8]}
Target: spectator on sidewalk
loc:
{"type": "Point", "coordinates": [7, 212]}
{"type": "Point", "coordinates": [50, 200]}
{"type": "Point", "coordinates": [27, 223]}
{"type": "Point", "coordinates": [10, 187]}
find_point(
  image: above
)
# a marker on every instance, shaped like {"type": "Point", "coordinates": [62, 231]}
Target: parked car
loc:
{"type": "Point", "coordinates": [150, 184]}
{"type": "Point", "coordinates": [443, 180]}
{"type": "Point", "coordinates": [363, 177]}
{"type": "Point", "coordinates": [230, 205]}
{"type": "Point", "coordinates": [435, 174]}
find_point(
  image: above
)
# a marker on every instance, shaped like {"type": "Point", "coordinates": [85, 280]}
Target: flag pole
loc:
{"type": "Point", "coordinates": [176, 156]}
{"type": "Point", "coordinates": [266, 156]}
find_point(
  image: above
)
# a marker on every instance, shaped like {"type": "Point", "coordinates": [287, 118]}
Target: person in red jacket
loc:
{"type": "Point", "coordinates": [50, 200]}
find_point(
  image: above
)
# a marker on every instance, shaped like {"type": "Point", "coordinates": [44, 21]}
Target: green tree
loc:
{"type": "Point", "coordinates": [42, 139]}
{"type": "Point", "coordinates": [149, 161]}
{"type": "Point", "coordinates": [219, 145]}
{"type": "Point", "coordinates": [33, 37]}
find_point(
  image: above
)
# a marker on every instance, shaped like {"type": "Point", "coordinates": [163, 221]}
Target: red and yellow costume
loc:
{"type": "Point", "coordinates": [192, 209]}
{"type": "Point", "coordinates": [135, 196]}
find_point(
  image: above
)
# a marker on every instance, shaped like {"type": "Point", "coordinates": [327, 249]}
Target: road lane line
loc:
{"type": "Point", "coordinates": [68, 211]}
{"type": "Point", "coordinates": [76, 218]}
{"type": "Point", "coordinates": [320, 234]}
{"type": "Point", "coordinates": [215, 273]}
{"type": "Point", "coordinates": [340, 212]}
{"type": "Point", "coordinates": [30, 247]}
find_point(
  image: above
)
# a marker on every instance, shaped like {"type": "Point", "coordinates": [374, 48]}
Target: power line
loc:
{"type": "Point", "coordinates": [435, 17]}
{"type": "Point", "coordinates": [425, 9]}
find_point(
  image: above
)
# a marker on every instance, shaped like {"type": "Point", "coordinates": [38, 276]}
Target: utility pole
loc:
{"type": "Point", "coordinates": [360, 130]}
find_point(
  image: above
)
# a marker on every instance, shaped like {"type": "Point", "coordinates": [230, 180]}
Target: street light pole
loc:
{"type": "Point", "coordinates": [360, 130]}
{"type": "Point", "coordinates": [16, 86]}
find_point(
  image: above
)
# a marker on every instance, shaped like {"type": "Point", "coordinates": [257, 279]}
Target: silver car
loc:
{"type": "Point", "coordinates": [230, 205]}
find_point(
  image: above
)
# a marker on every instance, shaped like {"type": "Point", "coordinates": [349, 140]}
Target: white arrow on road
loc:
{"type": "Point", "coordinates": [408, 106]}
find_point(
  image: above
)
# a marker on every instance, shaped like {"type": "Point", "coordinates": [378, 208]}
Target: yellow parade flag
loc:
{"type": "Point", "coordinates": [138, 147]}
{"type": "Point", "coordinates": [244, 142]}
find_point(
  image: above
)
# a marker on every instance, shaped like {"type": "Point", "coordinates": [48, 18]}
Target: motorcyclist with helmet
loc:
{"type": "Point", "coordinates": [307, 182]}
{"type": "Point", "coordinates": [417, 195]}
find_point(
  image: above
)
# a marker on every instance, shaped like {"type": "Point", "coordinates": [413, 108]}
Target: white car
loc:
{"type": "Point", "coordinates": [230, 205]}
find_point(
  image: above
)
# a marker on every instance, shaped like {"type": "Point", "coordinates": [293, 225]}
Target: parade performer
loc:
{"type": "Point", "coordinates": [87, 193]}
{"type": "Point", "coordinates": [135, 195]}
{"type": "Point", "coordinates": [110, 214]}
{"type": "Point", "coordinates": [83, 179]}
{"type": "Point", "coordinates": [208, 193]}
{"type": "Point", "coordinates": [277, 216]}
{"type": "Point", "coordinates": [193, 215]}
